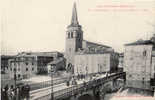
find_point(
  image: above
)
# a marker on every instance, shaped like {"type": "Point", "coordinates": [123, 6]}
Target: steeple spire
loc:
{"type": "Point", "coordinates": [74, 20]}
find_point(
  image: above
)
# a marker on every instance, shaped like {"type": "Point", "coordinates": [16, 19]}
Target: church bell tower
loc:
{"type": "Point", "coordinates": [74, 38]}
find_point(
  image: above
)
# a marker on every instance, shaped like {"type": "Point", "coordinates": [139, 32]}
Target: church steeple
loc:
{"type": "Point", "coordinates": [74, 20]}
{"type": "Point", "coordinates": [74, 38]}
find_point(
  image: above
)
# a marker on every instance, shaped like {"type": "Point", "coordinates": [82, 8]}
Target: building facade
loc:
{"type": "Point", "coordinates": [95, 63]}
{"type": "Point", "coordinates": [138, 63]}
{"type": "Point", "coordinates": [4, 63]}
{"type": "Point", "coordinates": [23, 66]}
{"type": "Point", "coordinates": [28, 64]}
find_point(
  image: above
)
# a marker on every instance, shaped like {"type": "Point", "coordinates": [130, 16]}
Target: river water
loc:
{"type": "Point", "coordinates": [124, 95]}
{"type": "Point", "coordinates": [88, 97]}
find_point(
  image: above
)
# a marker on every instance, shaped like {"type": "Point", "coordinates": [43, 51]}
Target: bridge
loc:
{"type": "Point", "coordinates": [95, 88]}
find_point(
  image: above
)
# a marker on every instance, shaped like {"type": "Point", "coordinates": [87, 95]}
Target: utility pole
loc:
{"type": "Point", "coordinates": [15, 78]}
{"type": "Point", "coordinates": [52, 72]}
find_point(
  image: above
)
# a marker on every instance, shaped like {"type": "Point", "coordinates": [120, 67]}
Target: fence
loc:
{"type": "Point", "coordinates": [80, 87]}
{"type": "Point", "coordinates": [47, 83]}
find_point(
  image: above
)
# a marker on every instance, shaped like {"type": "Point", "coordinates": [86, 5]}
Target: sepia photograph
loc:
{"type": "Point", "coordinates": [77, 50]}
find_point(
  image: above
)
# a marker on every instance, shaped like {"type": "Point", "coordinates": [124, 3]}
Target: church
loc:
{"type": "Point", "coordinates": [85, 57]}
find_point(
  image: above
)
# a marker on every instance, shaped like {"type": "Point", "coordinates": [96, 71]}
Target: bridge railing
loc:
{"type": "Point", "coordinates": [45, 84]}
{"type": "Point", "coordinates": [81, 87]}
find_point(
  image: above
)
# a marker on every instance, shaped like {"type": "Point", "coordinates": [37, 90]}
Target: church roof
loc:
{"type": "Point", "coordinates": [88, 52]}
{"type": "Point", "coordinates": [95, 44]}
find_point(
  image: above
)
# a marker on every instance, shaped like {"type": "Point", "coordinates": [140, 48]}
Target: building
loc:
{"type": "Point", "coordinates": [28, 64]}
{"type": "Point", "coordinates": [121, 62]}
{"type": "Point", "coordinates": [58, 64]}
{"type": "Point", "coordinates": [89, 63]}
{"type": "Point", "coordinates": [4, 62]}
{"type": "Point", "coordinates": [74, 38]}
{"type": "Point", "coordinates": [139, 63]}
{"type": "Point", "coordinates": [5, 67]}
{"type": "Point", "coordinates": [78, 50]}
{"type": "Point", "coordinates": [23, 66]}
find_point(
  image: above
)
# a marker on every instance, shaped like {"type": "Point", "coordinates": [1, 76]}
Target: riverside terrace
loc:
{"type": "Point", "coordinates": [93, 87]}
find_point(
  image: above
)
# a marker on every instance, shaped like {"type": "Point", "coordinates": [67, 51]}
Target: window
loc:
{"type": "Point", "coordinates": [32, 63]}
{"type": "Point", "coordinates": [71, 34]}
{"type": "Point", "coordinates": [11, 69]}
{"type": "Point", "coordinates": [32, 69]}
{"type": "Point", "coordinates": [131, 58]}
{"type": "Point", "coordinates": [27, 69]}
{"type": "Point", "coordinates": [144, 53]}
{"type": "Point", "coordinates": [14, 69]}
{"type": "Point", "coordinates": [26, 59]}
{"type": "Point", "coordinates": [68, 34]}
{"type": "Point", "coordinates": [18, 75]}
{"type": "Point", "coordinates": [18, 63]}
{"type": "Point", "coordinates": [143, 80]}
{"type": "Point", "coordinates": [130, 75]}
{"type": "Point", "coordinates": [33, 58]}
{"type": "Point", "coordinates": [26, 63]}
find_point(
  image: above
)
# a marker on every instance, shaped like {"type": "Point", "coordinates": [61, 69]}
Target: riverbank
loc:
{"type": "Point", "coordinates": [128, 94]}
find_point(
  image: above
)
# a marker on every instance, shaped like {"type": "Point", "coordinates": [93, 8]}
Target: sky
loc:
{"type": "Point", "coordinates": [41, 25]}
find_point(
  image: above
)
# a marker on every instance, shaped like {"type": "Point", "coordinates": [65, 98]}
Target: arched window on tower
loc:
{"type": "Point", "coordinates": [79, 36]}
{"type": "Point", "coordinates": [71, 34]}
{"type": "Point", "coordinates": [68, 34]}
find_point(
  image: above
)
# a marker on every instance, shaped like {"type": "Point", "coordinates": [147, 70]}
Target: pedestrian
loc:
{"type": "Point", "coordinates": [27, 90]}
{"type": "Point", "coordinates": [6, 87]}
{"type": "Point", "coordinates": [9, 94]}
{"type": "Point", "coordinates": [22, 92]}
{"type": "Point", "coordinates": [18, 93]}
{"type": "Point", "coordinates": [67, 83]}
{"type": "Point", "coordinates": [2, 94]}
{"type": "Point", "coordinates": [5, 94]}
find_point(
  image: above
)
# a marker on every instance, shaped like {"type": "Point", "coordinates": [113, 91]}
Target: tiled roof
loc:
{"type": "Point", "coordinates": [141, 42]}
{"type": "Point", "coordinates": [37, 53]}
{"type": "Point", "coordinates": [7, 56]}
{"type": "Point", "coordinates": [56, 61]}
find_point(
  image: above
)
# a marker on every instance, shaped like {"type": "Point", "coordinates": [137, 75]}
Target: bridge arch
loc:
{"type": "Point", "coordinates": [86, 94]}
{"type": "Point", "coordinates": [85, 97]}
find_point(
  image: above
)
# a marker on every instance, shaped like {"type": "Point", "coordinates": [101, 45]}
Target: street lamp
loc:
{"type": "Point", "coordinates": [15, 78]}
{"type": "Point", "coordinates": [52, 72]}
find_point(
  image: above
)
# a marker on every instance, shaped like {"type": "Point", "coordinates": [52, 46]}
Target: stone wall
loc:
{"type": "Point", "coordinates": [153, 68]}
{"type": "Point", "coordinates": [94, 63]}
{"type": "Point", "coordinates": [137, 64]}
